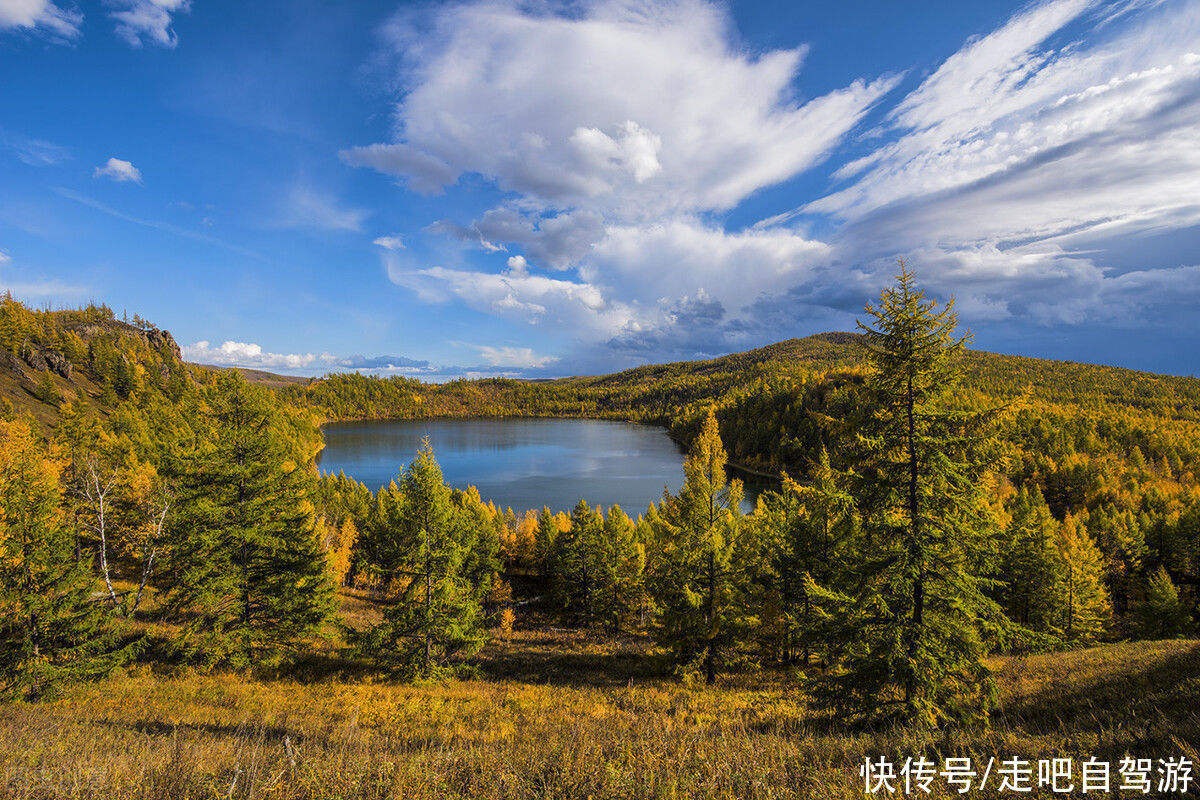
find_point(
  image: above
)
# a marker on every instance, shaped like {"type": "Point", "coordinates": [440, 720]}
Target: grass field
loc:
{"type": "Point", "coordinates": [557, 714]}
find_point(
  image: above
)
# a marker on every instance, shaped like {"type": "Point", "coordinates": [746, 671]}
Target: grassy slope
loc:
{"type": "Point", "coordinates": [557, 715]}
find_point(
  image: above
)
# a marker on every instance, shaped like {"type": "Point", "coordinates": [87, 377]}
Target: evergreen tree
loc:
{"type": "Point", "coordinates": [1163, 614]}
{"type": "Point", "coordinates": [545, 540]}
{"type": "Point", "coordinates": [50, 634]}
{"type": "Point", "coordinates": [479, 526]}
{"type": "Point", "coordinates": [47, 392]}
{"type": "Point", "coordinates": [911, 624]}
{"type": "Point", "coordinates": [437, 611]}
{"type": "Point", "coordinates": [577, 566]}
{"type": "Point", "coordinates": [250, 574]}
{"type": "Point", "coordinates": [1032, 569]}
{"type": "Point", "coordinates": [621, 573]}
{"type": "Point", "coordinates": [1084, 608]}
{"type": "Point", "coordinates": [805, 529]}
{"type": "Point", "coordinates": [702, 560]}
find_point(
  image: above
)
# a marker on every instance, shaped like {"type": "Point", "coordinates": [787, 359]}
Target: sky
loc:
{"type": "Point", "coordinates": [554, 188]}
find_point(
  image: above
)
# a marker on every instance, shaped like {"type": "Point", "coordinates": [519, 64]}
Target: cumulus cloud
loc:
{"type": "Point", "coordinates": [142, 22]}
{"type": "Point", "coordinates": [4, 257]}
{"type": "Point", "coordinates": [554, 303]}
{"type": "Point", "coordinates": [621, 134]}
{"type": "Point", "coordinates": [252, 356]}
{"type": "Point", "coordinates": [627, 110]}
{"type": "Point", "coordinates": [42, 16]}
{"type": "Point", "coordinates": [119, 171]}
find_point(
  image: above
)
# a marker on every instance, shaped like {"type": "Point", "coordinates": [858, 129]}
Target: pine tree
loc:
{"type": "Point", "coordinates": [50, 634]}
{"type": "Point", "coordinates": [1163, 614]}
{"type": "Point", "coordinates": [544, 541]}
{"type": "Point", "coordinates": [251, 576]}
{"type": "Point", "coordinates": [621, 572]}
{"type": "Point", "coordinates": [911, 626]}
{"type": "Point", "coordinates": [702, 559]}
{"type": "Point", "coordinates": [1085, 609]}
{"type": "Point", "coordinates": [805, 530]}
{"type": "Point", "coordinates": [437, 611]}
{"type": "Point", "coordinates": [47, 392]}
{"type": "Point", "coordinates": [1031, 569]}
{"type": "Point", "coordinates": [576, 566]}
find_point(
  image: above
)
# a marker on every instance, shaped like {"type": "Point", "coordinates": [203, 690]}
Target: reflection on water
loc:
{"type": "Point", "coordinates": [523, 463]}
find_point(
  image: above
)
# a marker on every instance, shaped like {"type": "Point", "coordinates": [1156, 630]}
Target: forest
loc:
{"type": "Point", "coordinates": [945, 521]}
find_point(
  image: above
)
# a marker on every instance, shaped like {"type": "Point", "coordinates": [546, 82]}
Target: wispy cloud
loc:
{"type": "Point", "coordinates": [306, 207]}
{"type": "Point", "coordinates": [34, 152]}
{"type": "Point", "coordinates": [150, 223]}
{"type": "Point", "coordinates": [36, 288]}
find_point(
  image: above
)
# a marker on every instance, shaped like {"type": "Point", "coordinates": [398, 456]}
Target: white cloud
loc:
{"type": "Point", "coordinates": [390, 242]}
{"type": "Point", "coordinates": [252, 356]}
{"type": "Point", "coordinates": [515, 357]}
{"type": "Point", "coordinates": [617, 128]}
{"type": "Point", "coordinates": [619, 134]}
{"type": "Point", "coordinates": [141, 22]}
{"type": "Point", "coordinates": [305, 207]}
{"type": "Point", "coordinates": [4, 257]}
{"type": "Point", "coordinates": [622, 109]}
{"type": "Point", "coordinates": [647, 262]}
{"type": "Point", "coordinates": [1012, 140]}
{"type": "Point", "coordinates": [119, 171]}
{"type": "Point", "coordinates": [555, 304]}
{"type": "Point", "coordinates": [40, 15]}
{"type": "Point", "coordinates": [246, 354]}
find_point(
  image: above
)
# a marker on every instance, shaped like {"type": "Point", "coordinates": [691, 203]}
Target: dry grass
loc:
{"type": "Point", "coordinates": [556, 715]}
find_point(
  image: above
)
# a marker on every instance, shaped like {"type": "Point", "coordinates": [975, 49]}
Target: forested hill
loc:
{"type": "Point", "coordinates": [85, 355]}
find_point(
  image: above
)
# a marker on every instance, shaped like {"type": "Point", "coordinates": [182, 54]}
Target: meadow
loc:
{"type": "Point", "coordinates": [557, 713]}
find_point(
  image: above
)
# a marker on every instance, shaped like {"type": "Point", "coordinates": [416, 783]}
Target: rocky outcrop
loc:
{"type": "Point", "coordinates": [37, 360]}
{"type": "Point", "coordinates": [163, 341]}
{"type": "Point", "coordinates": [59, 363]}
{"type": "Point", "coordinates": [9, 361]}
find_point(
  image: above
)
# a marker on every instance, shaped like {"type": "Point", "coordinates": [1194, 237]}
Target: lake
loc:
{"type": "Point", "coordinates": [522, 463]}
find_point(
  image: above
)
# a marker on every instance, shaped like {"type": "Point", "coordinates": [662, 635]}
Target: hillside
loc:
{"type": "Point", "coordinates": [84, 355]}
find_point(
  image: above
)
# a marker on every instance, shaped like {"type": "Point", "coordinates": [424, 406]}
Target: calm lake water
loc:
{"type": "Point", "coordinates": [522, 463]}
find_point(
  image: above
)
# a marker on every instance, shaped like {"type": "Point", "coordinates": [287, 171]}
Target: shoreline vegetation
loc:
{"type": "Point", "coordinates": [967, 555]}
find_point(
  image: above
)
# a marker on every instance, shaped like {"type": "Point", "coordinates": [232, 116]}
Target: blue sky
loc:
{"type": "Point", "coordinates": [546, 188]}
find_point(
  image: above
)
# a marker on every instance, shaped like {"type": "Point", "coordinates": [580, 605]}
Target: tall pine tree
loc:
{"type": "Point", "coordinates": [912, 619]}
{"type": "Point", "coordinates": [251, 579]}
{"type": "Point", "coordinates": [702, 560]}
{"type": "Point", "coordinates": [1084, 608]}
{"type": "Point", "coordinates": [437, 612]}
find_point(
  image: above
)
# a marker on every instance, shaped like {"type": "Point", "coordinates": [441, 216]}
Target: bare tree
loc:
{"type": "Point", "coordinates": [95, 489]}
